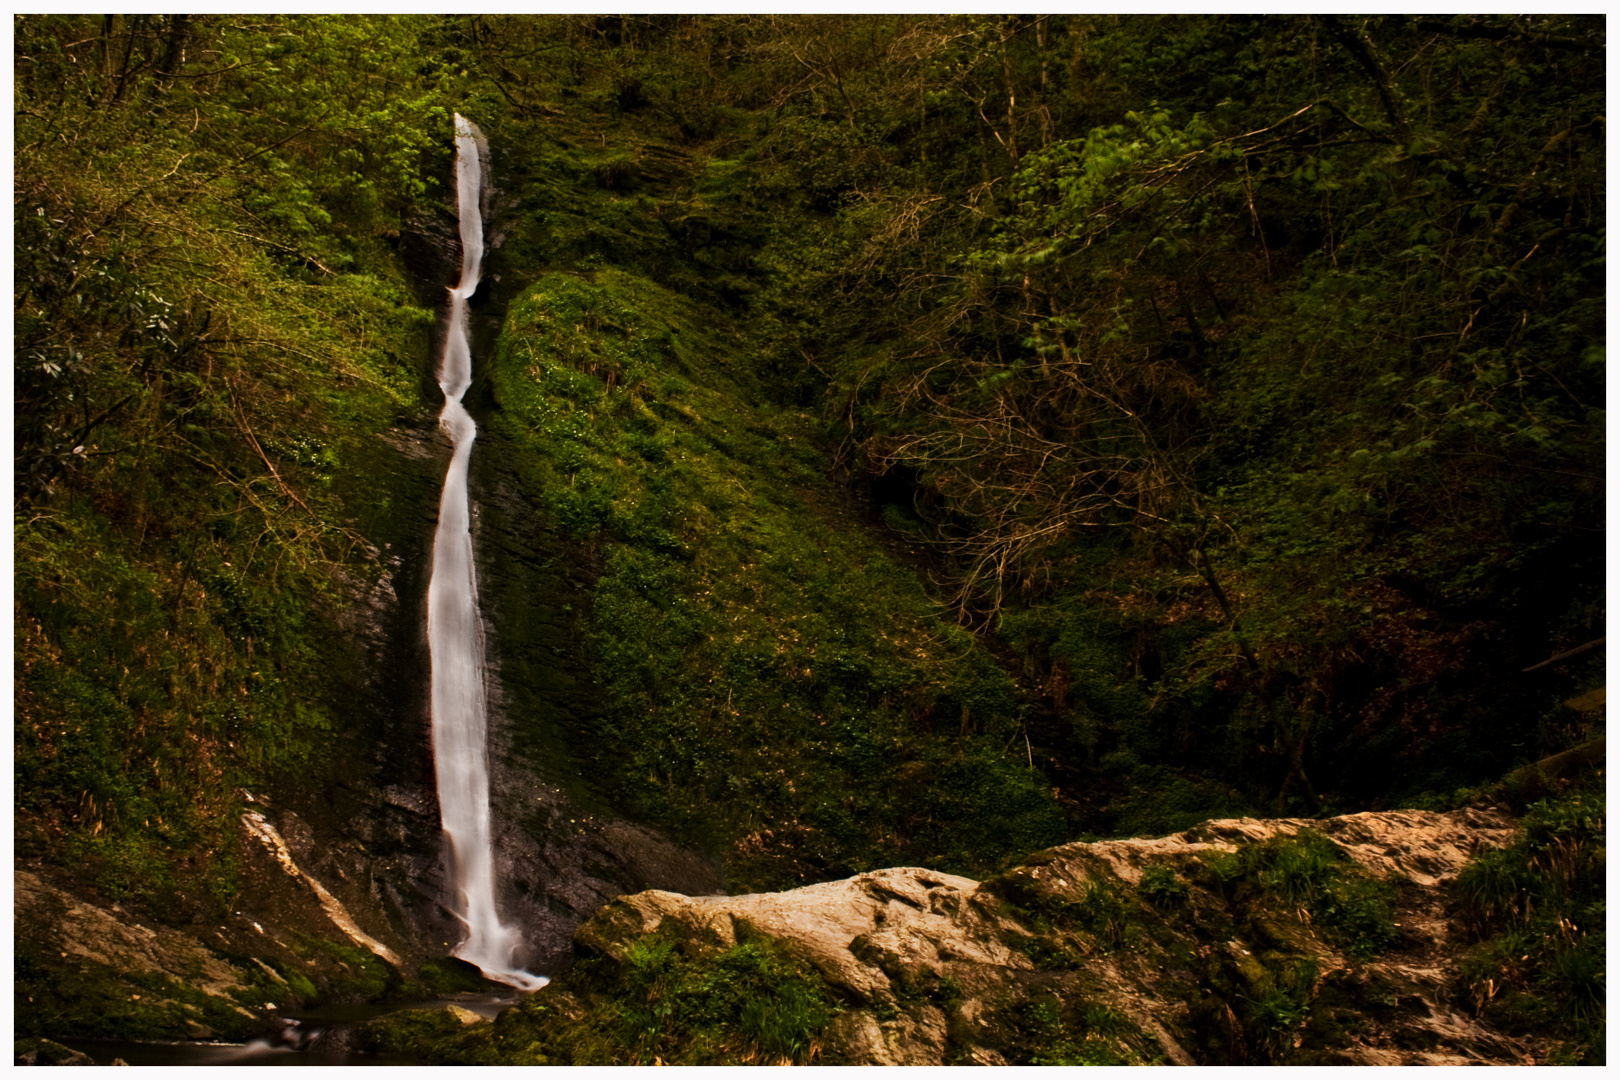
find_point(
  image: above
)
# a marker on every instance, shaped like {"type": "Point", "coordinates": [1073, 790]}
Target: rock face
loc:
{"type": "Point", "coordinates": [113, 975]}
{"type": "Point", "coordinates": [46, 1052]}
{"type": "Point", "coordinates": [1239, 941]}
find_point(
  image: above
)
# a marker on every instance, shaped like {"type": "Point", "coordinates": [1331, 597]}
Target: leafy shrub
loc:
{"type": "Point", "coordinates": [1538, 908]}
{"type": "Point", "coordinates": [746, 1003]}
{"type": "Point", "coordinates": [1297, 869]}
{"type": "Point", "coordinates": [1493, 887]}
{"type": "Point", "coordinates": [1162, 887]}
{"type": "Point", "coordinates": [784, 1024]}
{"type": "Point", "coordinates": [1358, 913]}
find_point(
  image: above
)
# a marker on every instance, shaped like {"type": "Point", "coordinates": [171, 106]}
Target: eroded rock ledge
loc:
{"type": "Point", "coordinates": [1236, 941]}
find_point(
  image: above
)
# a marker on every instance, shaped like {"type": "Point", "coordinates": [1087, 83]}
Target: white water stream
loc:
{"type": "Point", "coordinates": [455, 634]}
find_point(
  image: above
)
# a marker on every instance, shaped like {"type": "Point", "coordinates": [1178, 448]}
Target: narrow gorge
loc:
{"type": "Point", "coordinates": [703, 540]}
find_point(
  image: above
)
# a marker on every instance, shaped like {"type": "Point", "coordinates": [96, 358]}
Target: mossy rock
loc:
{"type": "Point", "coordinates": [452, 975]}
{"type": "Point", "coordinates": [87, 999]}
{"type": "Point", "coordinates": [46, 1052]}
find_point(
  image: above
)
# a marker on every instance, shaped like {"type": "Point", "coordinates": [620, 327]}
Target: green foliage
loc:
{"type": "Point", "coordinates": [1309, 872]}
{"type": "Point", "coordinates": [1162, 887]}
{"type": "Point", "coordinates": [211, 332]}
{"type": "Point", "coordinates": [1317, 350]}
{"type": "Point", "coordinates": [1538, 911]}
{"type": "Point", "coordinates": [1049, 1031]}
{"type": "Point", "coordinates": [663, 1002]}
{"type": "Point", "coordinates": [1494, 885]}
{"type": "Point", "coordinates": [1358, 913]}
{"type": "Point", "coordinates": [774, 683]}
{"type": "Point", "coordinates": [1281, 1007]}
{"type": "Point", "coordinates": [1309, 877]}
{"type": "Point", "coordinates": [1224, 869]}
{"type": "Point", "coordinates": [1101, 910]}
{"type": "Point", "coordinates": [1296, 868]}
{"type": "Point", "coordinates": [1244, 376]}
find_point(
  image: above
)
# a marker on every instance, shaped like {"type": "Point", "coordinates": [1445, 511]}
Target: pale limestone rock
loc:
{"type": "Point", "coordinates": [932, 966]}
{"type": "Point", "coordinates": [860, 1038]}
{"type": "Point", "coordinates": [853, 931]}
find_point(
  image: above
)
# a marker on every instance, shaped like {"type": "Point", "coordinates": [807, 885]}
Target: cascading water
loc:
{"type": "Point", "coordinates": [455, 635]}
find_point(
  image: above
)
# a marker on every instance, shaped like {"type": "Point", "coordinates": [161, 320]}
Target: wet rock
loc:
{"type": "Point", "coordinates": [93, 971]}
{"type": "Point", "coordinates": [46, 1052]}
{"type": "Point", "coordinates": [466, 1016]}
{"type": "Point", "coordinates": [560, 852]}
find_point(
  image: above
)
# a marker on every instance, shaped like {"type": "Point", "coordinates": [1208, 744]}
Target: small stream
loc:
{"type": "Point", "coordinates": [316, 1036]}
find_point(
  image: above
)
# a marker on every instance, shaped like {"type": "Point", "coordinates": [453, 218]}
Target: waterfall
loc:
{"type": "Point", "coordinates": [455, 635]}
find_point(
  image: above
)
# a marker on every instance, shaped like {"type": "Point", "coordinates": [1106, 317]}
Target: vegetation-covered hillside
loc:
{"type": "Point", "coordinates": [929, 438]}
{"type": "Point", "coordinates": [212, 328]}
{"type": "Point", "coordinates": [1246, 397]}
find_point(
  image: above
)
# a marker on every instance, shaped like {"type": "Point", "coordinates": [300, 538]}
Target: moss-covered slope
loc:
{"type": "Point", "coordinates": [774, 679]}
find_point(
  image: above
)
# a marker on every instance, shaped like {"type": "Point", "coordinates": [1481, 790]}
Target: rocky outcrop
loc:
{"type": "Point", "coordinates": [98, 971]}
{"type": "Point", "coordinates": [1236, 941]}
{"type": "Point", "coordinates": [46, 1052]}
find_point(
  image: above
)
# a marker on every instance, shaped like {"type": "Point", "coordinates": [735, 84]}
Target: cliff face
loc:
{"type": "Point", "coordinates": [1238, 941]}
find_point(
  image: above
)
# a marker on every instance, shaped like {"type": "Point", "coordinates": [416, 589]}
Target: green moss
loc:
{"type": "Point", "coordinates": [352, 973]}
{"type": "Point", "coordinates": [666, 1000]}
{"type": "Point", "coordinates": [450, 975]}
{"type": "Point", "coordinates": [771, 682]}
{"type": "Point", "coordinates": [301, 987]}
{"type": "Point", "coordinates": [88, 999]}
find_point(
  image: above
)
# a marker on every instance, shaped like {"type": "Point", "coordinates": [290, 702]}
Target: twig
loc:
{"type": "Point", "coordinates": [1578, 650]}
{"type": "Point", "coordinates": [312, 260]}
{"type": "Point", "coordinates": [252, 439]}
